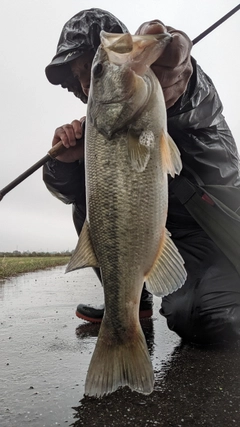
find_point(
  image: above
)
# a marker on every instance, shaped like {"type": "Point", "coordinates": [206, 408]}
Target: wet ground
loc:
{"type": "Point", "coordinates": [45, 351]}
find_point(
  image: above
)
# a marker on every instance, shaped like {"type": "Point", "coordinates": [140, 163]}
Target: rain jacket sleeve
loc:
{"type": "Point", "coordinates": [204, 139]}
{"type": "Point", "coordinates": [66, 181]}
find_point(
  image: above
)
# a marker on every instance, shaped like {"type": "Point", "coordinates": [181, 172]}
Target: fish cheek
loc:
{"type": "Point", "coordinates": [110, 119]}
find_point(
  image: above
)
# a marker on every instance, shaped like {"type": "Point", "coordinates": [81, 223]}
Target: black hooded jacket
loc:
{"type": "Point", "coordinates": [195, 123]}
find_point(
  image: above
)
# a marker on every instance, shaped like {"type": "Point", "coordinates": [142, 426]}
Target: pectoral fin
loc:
{"type": "Point", "coordinates": [168, 273]}
{"type": "Point", "coordinates": [84, 255]}
{"type": "Point", "coordinates": [170, 155]}
{"type": "Point", "coordinates": [139, 149]}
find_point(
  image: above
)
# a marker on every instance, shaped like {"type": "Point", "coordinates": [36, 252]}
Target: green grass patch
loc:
{"type": "Point", "coordinates": [13, 266]}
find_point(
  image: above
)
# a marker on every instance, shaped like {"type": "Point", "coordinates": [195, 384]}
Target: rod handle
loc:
{"type": "Point", "coordinates": [57, 150]}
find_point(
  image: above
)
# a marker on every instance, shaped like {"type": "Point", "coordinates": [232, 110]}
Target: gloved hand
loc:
{"type": "Point", "coordinates": [173, 68]}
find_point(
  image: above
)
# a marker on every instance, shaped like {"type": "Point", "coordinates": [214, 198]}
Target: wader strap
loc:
{"type": "Point", "coordinates": [182, 188]}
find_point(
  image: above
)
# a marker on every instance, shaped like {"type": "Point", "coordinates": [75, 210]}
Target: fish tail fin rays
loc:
{"type": "Point", "coordinates": [168, 273]}
{"type": "Point", "coordinates": [84, 255]}
{"type": "Point", "coordinates": [115, 365]}
{"type": "Point", "coordinates": [171, 155]}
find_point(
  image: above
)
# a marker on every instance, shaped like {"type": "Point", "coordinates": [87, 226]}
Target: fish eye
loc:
{"type": "Point", "coordinates": [98, 70]}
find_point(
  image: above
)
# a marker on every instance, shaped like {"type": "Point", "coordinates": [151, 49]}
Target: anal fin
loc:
{"type": "Point", "coordinates": [168, 273]}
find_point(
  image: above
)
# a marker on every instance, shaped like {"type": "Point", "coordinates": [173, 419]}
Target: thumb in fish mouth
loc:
{"type": "Point", "coordinates": [139, 52]}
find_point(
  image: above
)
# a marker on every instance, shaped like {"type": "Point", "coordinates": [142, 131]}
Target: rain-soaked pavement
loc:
{"type": "Point", "coordinates": [45, 351]}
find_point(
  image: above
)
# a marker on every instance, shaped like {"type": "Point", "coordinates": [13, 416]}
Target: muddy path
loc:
{"type": "Point", "coordinates": [45, 351]}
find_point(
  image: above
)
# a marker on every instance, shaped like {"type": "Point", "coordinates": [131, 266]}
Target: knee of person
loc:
{"type": "Point", "coordinates": [176, 308]}
{"type": "Point", "coordinates": [201, 322]}
{"type": "Point", "coordinates": [217, 324]}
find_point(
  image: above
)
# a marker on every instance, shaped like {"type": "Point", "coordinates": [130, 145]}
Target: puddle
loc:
{"type": "Point", "coordinates": [46, 350]}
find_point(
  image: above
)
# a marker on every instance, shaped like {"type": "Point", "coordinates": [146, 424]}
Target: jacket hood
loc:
{"type": "Point", "coordinates": [79, 35]}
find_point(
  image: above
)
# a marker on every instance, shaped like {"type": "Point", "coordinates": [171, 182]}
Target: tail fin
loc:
{"type": "Point", "coordinates": [115, 364]}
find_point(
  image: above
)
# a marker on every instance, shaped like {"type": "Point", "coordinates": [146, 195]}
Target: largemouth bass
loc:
{"type": "Point", "coordinates": [128, 155]}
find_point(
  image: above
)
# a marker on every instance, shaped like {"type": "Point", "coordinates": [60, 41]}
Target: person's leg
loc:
{"type": "Point", "coordinates": [206, 310]}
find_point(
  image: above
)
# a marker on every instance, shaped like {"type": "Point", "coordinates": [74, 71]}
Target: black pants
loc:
{"type": "Point", "coordinates": [206, 310]}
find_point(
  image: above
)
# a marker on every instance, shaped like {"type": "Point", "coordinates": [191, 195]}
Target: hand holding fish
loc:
{"type": "Point", "coordinates": [71, 136]}
{"type": "Point", "coordinates": [173, 68]}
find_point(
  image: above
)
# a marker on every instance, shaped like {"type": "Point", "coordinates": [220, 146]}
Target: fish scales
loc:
{"type": "Point", "coordinates": [120, 242]}
{"type": "Point", "coordinates": [127, 157]}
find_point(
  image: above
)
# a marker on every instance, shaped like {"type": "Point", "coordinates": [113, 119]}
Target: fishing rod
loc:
{"type": "Point", "coordinates": [212, 27]}
{"type": "Point", "coordinates": [59, 148]}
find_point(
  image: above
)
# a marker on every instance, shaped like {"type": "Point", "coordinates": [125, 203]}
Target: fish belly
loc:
{"type": "Point", "coordinates": [126, 209]}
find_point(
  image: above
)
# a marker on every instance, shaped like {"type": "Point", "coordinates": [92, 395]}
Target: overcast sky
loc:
{"type": "Point", "coordinates": [31, 108]}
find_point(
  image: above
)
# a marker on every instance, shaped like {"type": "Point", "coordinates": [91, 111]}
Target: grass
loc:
{"type": "Point", "coordinates": [13, 266]}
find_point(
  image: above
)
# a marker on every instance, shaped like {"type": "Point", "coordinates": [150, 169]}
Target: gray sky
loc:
{"type": "Point", "coordinates": [31, 108]}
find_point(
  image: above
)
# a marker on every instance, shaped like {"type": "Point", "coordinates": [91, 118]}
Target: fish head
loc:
{"type": "Point", "coordinates": [121, 79]}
